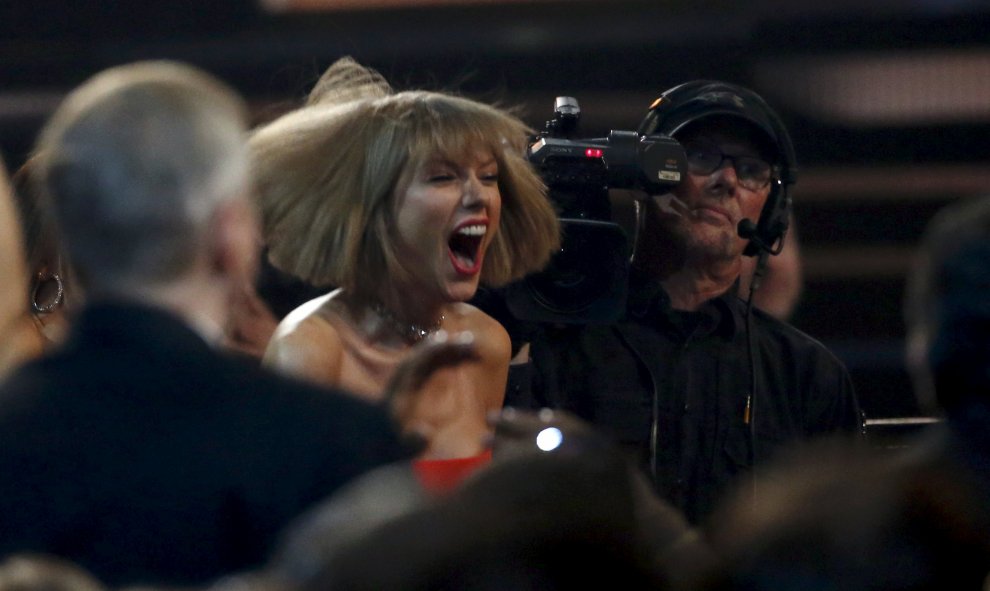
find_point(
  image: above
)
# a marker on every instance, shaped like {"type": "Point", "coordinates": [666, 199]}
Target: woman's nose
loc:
{"type": "Point", "coordinates": [473, 193]}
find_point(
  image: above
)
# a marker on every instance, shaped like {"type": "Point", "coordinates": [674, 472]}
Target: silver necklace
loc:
{"type": "Point", "coordinates": [409, 331]}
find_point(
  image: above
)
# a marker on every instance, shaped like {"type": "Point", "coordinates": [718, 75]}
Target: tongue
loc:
{"type": "Point", "coordinates": [463, 248]}
{"type": "Point", "coordinates": [463, 258]}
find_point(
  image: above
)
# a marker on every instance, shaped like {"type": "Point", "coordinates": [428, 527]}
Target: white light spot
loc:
{"type": "Point", "coordinates": [549, 439]}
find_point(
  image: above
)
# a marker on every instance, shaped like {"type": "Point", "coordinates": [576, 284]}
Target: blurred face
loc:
{"type": "Point", "coordinates": [447, 216]}
{"type": "Point", "coordinates": [728, 180]}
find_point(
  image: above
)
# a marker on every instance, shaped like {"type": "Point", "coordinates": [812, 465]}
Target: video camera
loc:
{"type": "Point", "coordinates": [586, 281]}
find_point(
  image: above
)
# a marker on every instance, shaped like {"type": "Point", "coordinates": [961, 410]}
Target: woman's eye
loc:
{"type": "Point", "coordinates": [490, 178]}
{"type": "Point", "coordinates": [440, 177]}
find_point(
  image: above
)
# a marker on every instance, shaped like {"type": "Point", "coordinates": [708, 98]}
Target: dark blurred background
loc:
{"type": "Point", "coordinates": [888, 101]}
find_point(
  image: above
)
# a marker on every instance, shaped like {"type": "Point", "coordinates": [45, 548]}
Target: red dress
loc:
{"type": "Point", "coordinates": [442, 476]}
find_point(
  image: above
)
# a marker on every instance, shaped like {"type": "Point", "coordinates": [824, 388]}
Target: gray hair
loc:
{"type": "Point", "coordinates": [136, 160]}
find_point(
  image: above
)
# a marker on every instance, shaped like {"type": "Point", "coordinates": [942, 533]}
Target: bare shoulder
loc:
{"type": "Point", "coordinates": [494, 348]}
{"type": "Point", "coordinates": [491, 338]}
{"type": "Point", "coordinates": [306, 344]}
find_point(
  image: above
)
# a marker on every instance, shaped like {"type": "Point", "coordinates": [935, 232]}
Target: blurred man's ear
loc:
{"type": "Point", "coordinates": [918, 343]}
{"type": "Point", "coordinates": [235, 240]}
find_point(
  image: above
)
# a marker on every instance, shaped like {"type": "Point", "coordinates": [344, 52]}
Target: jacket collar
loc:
{"type": "Point", "coordinates": [649, 302]}
{"type": "Point", "coordinates": [122, 324]}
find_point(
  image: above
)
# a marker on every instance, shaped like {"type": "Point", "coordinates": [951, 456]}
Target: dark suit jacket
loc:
{"type": "Point", "coordinates": [144, 455]}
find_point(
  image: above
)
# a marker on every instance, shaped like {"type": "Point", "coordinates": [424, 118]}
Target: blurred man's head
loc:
{"type": "Point", "coordinates": [146, 166]}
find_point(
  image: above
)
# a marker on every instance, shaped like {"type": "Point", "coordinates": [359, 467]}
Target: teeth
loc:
{"type": "Point", "coordinates": [477, 230]}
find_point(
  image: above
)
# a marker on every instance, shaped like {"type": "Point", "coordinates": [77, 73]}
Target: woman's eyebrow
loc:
{"type": "Point", "coordinates": [442, 161]}
{"type": "Point", "coordinates": [438, 162]}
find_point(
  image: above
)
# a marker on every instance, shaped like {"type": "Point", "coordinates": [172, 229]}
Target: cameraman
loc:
{"type": "Point", "coordinates": [696, 385]}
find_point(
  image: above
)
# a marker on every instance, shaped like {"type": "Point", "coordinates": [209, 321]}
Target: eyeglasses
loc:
{"type": "Point", "coordinates": [705, 158]}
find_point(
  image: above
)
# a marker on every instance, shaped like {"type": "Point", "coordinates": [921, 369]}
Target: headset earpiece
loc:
{"type": "Point", "coordinates": [775, 218]}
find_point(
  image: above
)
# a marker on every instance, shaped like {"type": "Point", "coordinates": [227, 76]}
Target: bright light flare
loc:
{"type": "Point", "coordinates": [549, 439]}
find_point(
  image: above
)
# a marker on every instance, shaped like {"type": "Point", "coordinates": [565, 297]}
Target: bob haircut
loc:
{"type": "Point", "coordinates": [329, 177]}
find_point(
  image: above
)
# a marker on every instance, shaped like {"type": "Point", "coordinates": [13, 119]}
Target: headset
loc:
{"type": "Point", "coordinates": [692, 101]}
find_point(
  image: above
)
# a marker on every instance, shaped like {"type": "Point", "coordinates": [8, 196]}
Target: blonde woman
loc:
{"type": "Point", "coordinates": [404, 202]}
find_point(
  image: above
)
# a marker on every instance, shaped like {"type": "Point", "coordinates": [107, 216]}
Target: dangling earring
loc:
{"type": "Point", "coordinates": [46, 308]}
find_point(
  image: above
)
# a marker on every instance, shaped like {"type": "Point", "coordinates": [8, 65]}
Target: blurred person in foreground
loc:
{"type": "Point", "coordinates": [947, 312]}
{"type": "Point", "coordinates": [41, 572]}
{"type": "Point", "coordinates": [835, 517]}
{"type": "Point", "coordinates": [404, 202]}
{"type": "Point", "coordinates": [557, 508]}
{"type": "Point", "coordinates": [948, 344]}
{"type": "Point", "coordinates": [693, 382]}
{"type": "Point", "coordinates": [137, 449]}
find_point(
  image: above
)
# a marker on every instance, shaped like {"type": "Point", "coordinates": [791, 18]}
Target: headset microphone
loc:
{"type": "Point", "coordinates": [748, 229]}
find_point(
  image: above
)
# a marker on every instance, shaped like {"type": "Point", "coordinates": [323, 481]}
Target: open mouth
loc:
{"type": "Point", "coordinates": [464, 246]}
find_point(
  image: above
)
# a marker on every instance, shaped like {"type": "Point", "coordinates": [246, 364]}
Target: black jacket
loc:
{"type": "Point", "coordinates": [146, 456]}
{"type": "Point", "coordinates": [672, 387]}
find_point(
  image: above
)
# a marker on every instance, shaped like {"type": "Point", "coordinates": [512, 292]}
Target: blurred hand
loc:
{"type": "Point", "coordinates": [434, 353]}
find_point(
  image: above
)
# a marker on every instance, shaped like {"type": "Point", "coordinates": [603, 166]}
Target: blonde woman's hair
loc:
{"type": "Point", "coordinates": [346, 81]}
{"type": "Point", "coordinates": [328, 177]}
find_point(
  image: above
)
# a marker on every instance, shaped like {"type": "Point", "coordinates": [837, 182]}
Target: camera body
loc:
{"type": "Point", "coordinates": [586, 281]}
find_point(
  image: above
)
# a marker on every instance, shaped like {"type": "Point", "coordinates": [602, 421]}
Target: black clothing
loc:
{"type": "Point", "coordinates": [682, 379]}
{"type": "Point", "coordinates": [960, 446]}
{"type": "Point", "coordinates": [281, 291]}
{"type": "Point", "coordinates": [146, 456]}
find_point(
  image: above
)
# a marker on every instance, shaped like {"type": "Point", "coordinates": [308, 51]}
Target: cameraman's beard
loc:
{"type": "Point", "coordinates": [707, 251]}
{"type": "Point", "coordinates": [659, 246]}
{"type": "Point", "coordinates": [679, 222]}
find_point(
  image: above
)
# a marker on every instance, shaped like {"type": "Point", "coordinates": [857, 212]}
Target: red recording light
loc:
{"type": "Point", "coordinates": [594, 152]}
